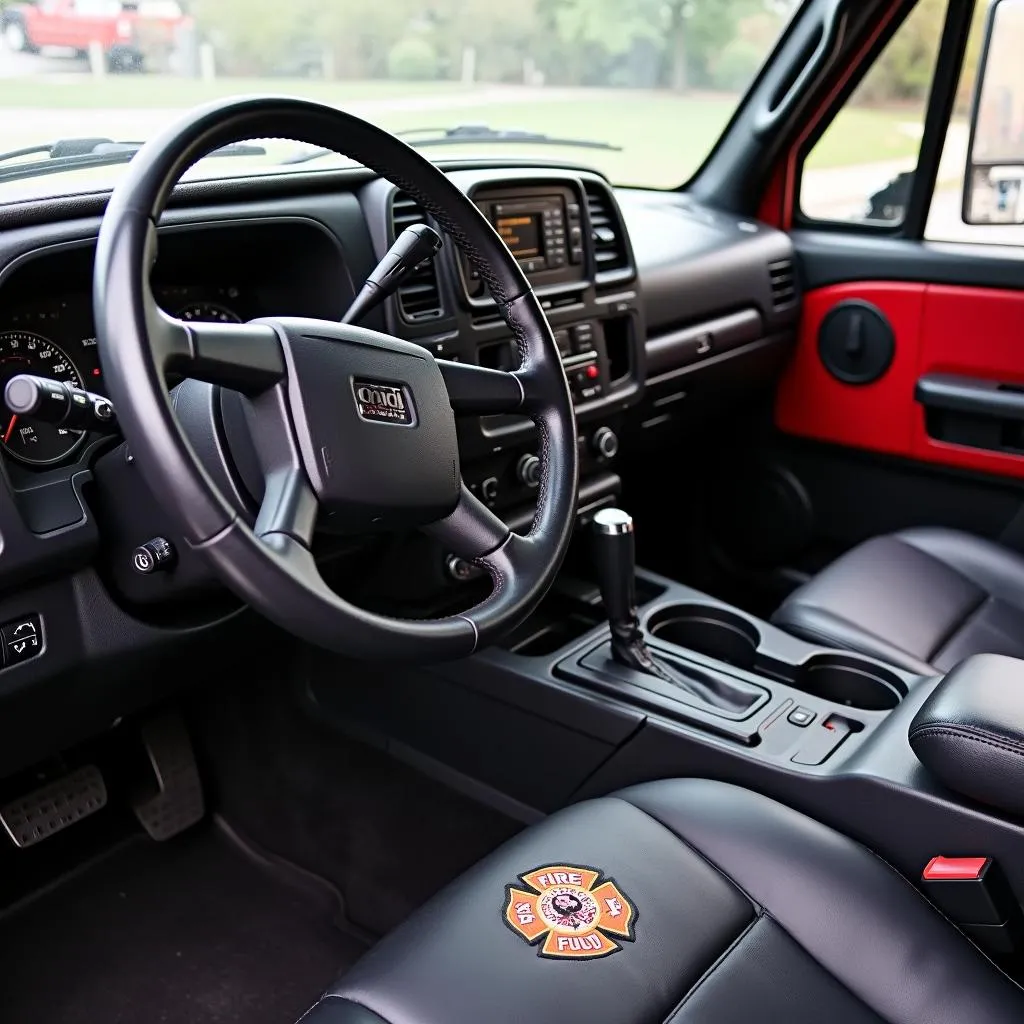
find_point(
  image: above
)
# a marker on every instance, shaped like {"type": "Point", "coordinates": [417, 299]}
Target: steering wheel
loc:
{"type": "Point", "coordinates": [348, 423]}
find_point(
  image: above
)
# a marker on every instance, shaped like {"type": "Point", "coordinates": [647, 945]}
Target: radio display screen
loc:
{"type": "Point", "coordinates": [521, 232]}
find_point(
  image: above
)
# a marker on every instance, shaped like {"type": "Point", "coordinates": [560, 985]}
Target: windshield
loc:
{"type": "Point", "coordinates": [651, 83]}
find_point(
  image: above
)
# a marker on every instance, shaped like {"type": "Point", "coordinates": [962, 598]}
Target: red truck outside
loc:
{"type": "Point", "coordinates": [129, 35]}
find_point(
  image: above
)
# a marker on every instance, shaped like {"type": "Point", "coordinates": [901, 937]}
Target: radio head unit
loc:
{"type": "Point", "coordinates": [543, 230]}
{"type": "Point", "coordinates": [534, 230]}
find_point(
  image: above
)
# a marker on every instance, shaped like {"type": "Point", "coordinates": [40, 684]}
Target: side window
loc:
{"type": "Point", "coordinates": [998, 133]}
{"type": "Point", "coordinates": [861, 169]}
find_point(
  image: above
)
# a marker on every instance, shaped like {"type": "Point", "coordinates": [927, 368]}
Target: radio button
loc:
{"type": "Point", "coordinates": [583, 337]}
{"type": "Point", "coordinates": [563, 342]}
{"type": "Point", "coordinates": [574, 211]}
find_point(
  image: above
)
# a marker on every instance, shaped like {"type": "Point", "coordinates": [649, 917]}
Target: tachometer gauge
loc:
{"type": "Point", "coordinates": [31, 441]}
{"type": "Point", "coordinates": [209, 312]}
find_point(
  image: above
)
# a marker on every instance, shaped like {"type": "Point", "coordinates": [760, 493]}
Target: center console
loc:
{"type": "Point", "coordinates": [569, 237]}
{"type": "Point", "coordinates": [710, 668]}
{"type": "Point", "coordinates": [622, 676]}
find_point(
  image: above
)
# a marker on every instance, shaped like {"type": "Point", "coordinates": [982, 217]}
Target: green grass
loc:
{"type": "Point", "coordinates": [124, 92]}
{"type": "Point", "coordinates": [664, 137]}
{"type": "Point", "coordinates": [859, 135]}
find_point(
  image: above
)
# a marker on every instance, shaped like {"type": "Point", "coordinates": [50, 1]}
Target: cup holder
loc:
{"type": "Point", "coordinates": [848, 680]}
{"type": "Point", "coordinates": [714, 632]}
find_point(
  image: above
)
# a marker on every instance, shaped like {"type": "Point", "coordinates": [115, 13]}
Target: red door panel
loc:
{"type": "Point", "coordinates": [975, 332]}
{"type": "Point", "coordinates": [812, 403]}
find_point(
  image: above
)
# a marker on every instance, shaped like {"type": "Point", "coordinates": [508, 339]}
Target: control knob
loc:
{"type": "Point", "coordinates": [153, 556]}
{"type": "Point", "coordinates": [528, 470]}
{"type": "Point", "coordinates": [605, 442]}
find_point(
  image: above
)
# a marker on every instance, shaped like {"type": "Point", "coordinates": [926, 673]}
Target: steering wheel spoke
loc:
{"type": "Point", "coordinates": [289, 507]}
{"type": "Point", "coordinates": [472, 531]}
{"type": "Point", "coordinates": [479, 390]}
{"type": "Point", "coordinates": [244, 357]}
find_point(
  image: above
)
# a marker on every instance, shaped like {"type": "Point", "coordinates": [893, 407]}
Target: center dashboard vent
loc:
{"type": "Point", "coordinates": [419, 299]}
{"type": "Point", "coordinates": [606, 231]}
{"type": "Point", "coordinates": [782, 279]}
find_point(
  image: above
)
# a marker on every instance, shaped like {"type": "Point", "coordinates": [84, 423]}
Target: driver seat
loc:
{"type": "Point", "coordinates": [743, 910]}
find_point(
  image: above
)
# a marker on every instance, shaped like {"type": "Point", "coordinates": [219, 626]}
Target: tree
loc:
{"type": "Point", "coordinates": [904, 70]}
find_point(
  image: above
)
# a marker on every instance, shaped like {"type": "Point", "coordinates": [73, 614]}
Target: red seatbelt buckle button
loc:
{"type": "Point", "coordinates": [956, 869]}
{"type": "Point", "coordinates": [974, 893]}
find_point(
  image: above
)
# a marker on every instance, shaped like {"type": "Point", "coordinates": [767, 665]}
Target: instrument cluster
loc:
{"type": "Point", "coordinates": [55, 338]}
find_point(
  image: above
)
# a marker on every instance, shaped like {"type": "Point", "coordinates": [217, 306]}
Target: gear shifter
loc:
{"type": "Point", "coordinates": [615, 558]}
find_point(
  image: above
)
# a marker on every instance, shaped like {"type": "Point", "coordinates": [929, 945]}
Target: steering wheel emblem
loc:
{"type": "Point", "coordinates": [381, 402]}
{"type": "Point", "coordinates": [570, 912]}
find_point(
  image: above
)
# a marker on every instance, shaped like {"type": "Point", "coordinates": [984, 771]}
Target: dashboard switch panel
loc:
{"type": "Point", "coordinates": [22, 639]}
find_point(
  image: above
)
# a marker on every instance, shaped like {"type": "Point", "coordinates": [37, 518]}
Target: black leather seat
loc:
{"type": "Point", "coordinates": [746, 911]}
{"type": "Point", "coordinates": [923, 599]}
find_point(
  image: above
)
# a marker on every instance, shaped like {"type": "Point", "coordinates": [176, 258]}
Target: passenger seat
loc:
{"type": "Point", "coordinates": [922, 599]}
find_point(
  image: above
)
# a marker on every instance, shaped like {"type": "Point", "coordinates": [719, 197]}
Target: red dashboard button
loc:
{"type": "Point", "coordinates": [955, 869]}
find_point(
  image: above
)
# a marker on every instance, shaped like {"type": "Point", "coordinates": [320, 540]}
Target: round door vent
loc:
{"type": "Point", "coordinates": [856, 342]}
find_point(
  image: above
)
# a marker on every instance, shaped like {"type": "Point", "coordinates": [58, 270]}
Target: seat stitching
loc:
{"type": "Point", "coordinates": [343, 999]}
{"type": "Point", "coordinates": [969, 732]}
{"type": "Point", "coordinates": [726, 953]}
{"type": "Point", "coordinates": [314, 1006]}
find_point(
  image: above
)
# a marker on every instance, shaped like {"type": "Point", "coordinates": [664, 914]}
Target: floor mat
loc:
{"type": "Point", "coordinates": [386, 835]}
{"type": "Point", "coordinates": [191, 931]}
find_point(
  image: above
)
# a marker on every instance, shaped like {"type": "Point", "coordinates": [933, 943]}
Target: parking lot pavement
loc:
{"type": "Point", "coordinates": [28, 65]}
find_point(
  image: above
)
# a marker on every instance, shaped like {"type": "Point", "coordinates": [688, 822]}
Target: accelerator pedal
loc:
{"type": "Point", "coordinates": [51, 808]}
{"type": "Point", "coordinates": [177, 802]}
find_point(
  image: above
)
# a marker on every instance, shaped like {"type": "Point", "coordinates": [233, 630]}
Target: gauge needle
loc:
{"type": "Point", "coordinates": [10, 429]}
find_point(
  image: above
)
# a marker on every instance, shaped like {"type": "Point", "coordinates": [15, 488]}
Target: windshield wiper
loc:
{"type": "Point", "coordinates": [462, 134]}
{"type": "Point", "coordinates": [76, 154]}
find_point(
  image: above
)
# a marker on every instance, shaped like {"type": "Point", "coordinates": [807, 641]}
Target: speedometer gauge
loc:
{"type": "Point", "coordinates": [210, 312]}
{"type": "Point", "coordinates": [35, 442]}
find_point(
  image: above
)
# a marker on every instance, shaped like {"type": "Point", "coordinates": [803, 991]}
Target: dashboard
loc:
{"type": "Point", "coordinates": [54, 338]}
{"type": "Point", "coordinates": [664, 312]}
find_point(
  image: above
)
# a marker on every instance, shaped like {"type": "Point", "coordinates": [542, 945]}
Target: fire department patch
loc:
{"type": "Point", "coordinates": [570, 913]}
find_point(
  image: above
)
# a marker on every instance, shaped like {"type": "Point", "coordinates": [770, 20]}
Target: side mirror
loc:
{"type": "Point", "coordinates": [994, 177]}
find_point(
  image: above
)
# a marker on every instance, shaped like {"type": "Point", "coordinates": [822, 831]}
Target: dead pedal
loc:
{"type": "Point", "coordinates": [178, 801]}
{"type": "Point", "coordinates": [53, 807]}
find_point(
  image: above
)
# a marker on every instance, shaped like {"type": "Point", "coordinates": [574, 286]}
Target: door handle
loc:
{"type": "Point", "coordinates": [970, 395]}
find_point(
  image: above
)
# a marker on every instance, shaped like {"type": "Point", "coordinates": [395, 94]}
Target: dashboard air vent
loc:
{"type": "Point", "coordinates": [419, 298]}
{"type": "Point", "coordinates": [783, 283]}
{"type": "Point", "coordinates": [606, 231]}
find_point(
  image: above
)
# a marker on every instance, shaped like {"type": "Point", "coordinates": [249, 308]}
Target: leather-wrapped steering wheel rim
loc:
{"type": "Point", "coordinates": [283, 367]}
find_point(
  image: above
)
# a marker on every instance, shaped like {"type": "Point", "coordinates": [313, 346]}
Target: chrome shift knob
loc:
{"type": "Point", "coordinates": [615, 558]}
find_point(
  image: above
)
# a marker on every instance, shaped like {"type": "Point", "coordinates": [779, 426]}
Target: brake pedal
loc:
{"type": "Point", "coordinates": [178, 801]}
{"type": "Point", "coordinates": [54, 806]}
